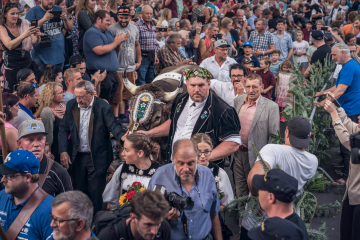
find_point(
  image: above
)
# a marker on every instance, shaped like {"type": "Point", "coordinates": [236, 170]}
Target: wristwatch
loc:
{"type": "Point", "coordinates": [198, 33]}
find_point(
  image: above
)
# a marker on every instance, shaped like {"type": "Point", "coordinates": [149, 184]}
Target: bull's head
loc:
{"type": "Point", "coordinates": [150, 105]}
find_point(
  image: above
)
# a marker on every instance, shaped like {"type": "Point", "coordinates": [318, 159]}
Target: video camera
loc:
{"type": "Point", "coordinates": [174, 199]}
{"type": "Point", "coordinates": [355, 147]}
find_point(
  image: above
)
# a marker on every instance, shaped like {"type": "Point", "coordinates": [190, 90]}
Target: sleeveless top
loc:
{"type": "Point", "coordinates": [16, 58]}
{"type": "Point", "coordinates": [207, 42]}
{"type": "Point", "coordinates": [196, 12]}
{"type": "Point", "coordinates": [8, 126]}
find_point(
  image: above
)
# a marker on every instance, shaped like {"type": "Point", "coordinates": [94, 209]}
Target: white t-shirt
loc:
{"type": "Point", "coordinates": [301, 47]}
{"type": "Point", "coordinates": [299, 164]}
{"type": "Point", "coordinates": [337, 70]}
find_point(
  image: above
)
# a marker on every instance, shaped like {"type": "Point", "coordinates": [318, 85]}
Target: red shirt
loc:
{"type": "Point", "coordinates": [306, 34]}
{"type": "Point", "coordinates": [268, 79]}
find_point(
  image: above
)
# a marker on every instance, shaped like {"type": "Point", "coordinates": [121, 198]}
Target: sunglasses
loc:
{"type": "Point", "coordinates": [11, 5]}
{"type": "Point", "coordinates": [32, 87]}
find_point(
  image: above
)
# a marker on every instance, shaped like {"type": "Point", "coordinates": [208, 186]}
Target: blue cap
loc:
{"type": "Point", "coordinates": [20, 161]}
{"type": "Point", "coordinates": [276, 228]}
{"type": "Point", "coordinates": [248, 44]}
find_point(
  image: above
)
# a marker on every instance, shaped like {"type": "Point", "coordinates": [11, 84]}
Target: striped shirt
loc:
{"type": "Point", "coordinates": [246, 116]}
{"type": "Point", "coordinates": [147, 37]}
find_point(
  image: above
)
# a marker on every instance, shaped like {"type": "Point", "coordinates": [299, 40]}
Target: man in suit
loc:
{"type": "Point", "coordinates": [259, 117]}
{"type": "Point", "coordinates": [87, 116]}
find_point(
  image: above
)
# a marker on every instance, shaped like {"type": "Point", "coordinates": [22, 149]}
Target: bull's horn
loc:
{"type": "Point", "coordinates": [129, 85]}
{"type": "Point", "coordinates": [169, 96]}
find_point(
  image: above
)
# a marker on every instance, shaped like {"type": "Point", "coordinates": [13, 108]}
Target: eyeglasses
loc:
{"type": "Point", "coordinates": [237, 76]}
{"type": "Point", "coordinates": [80, 97]}
{"type": "Point", "coordinates": [206, 153]}
{"type": "Point", "coordinates": [32, 87]}
{"type": "Point", "coordinates": [12, 176]}
{"type": "Point", "coordinates": [60, 93]}
{"type": "Point", "coordinates": [58, 222]}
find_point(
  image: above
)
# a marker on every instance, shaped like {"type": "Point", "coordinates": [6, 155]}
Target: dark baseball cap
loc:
{"type": "Point", "coordinates": [317, 35]}
{"type": "Point", "coordinates": [279, 183]}
{"type": "Point", "coordinates": [123, 10]}
{"type": "Point", "coordinates": [309, 22]}
{"type": "Point", "coordinates": [20, 161]}
{"type": "Point", "coordinates": [276, 229]}
{"type": "Point", "coordinates": [76, 59]}
{"type": "Point", "coordinates": [299, 131]}
{"type": "Point", "coordinates": [22, 74]}
{"type": "Point", "coordinates": [328, 36]}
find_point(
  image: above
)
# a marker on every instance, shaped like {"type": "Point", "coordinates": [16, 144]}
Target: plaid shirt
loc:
{"type": "Point", "coordinates": [168, 58]}
{"type": "Point", "coordinates": [261, 42]}
{"type": "Point", "coordinates": [147, 37]}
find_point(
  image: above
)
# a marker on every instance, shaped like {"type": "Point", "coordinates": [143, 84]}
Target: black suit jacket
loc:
{"type": "Point", "coordinates": [102, 122]}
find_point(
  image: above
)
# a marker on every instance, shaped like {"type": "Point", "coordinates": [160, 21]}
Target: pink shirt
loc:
{"type": "Point", "coordinates": [246, 116]}
{"type": "Point", "coordinates": [8, 126]}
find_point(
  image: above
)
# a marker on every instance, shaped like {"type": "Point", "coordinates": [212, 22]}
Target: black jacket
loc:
{"type": "Point", "coordinates": [102, 122]}
{"type": "Point", "coordinates": [218, 120]}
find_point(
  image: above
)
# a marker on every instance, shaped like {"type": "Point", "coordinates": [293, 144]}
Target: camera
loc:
{"type": "Point", "coordinates": [355, 147]}
{"type": "Point", "coordinates": [174, 199]}
{"type": "Point", "coordinates": [217, 36]}
{"type": "Point", "coordinates": [163, 29]}
{"type": "Point", "coordinates": [324, 28]}
{"type": "Point", "coordinates": [45, 41]}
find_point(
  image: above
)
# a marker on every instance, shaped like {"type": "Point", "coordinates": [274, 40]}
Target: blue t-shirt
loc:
{"type": "Point", "coordinates": [275, 68]}
{"type": "Point", "coordinates": [55, 54]}
{"type": "Point", "coordinates": [38, 225]}
{"type": "Point", "coordinates": [256, 60]}
{"type": "Point", "coordinates": [95, 37]}
{"type": "Point", "coordinates": [350, 76]}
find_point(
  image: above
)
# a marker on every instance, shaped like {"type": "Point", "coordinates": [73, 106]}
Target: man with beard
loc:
{"type": "Point", "coordinates": [100, 54]}
{"type": "Point", "coordinates": [20, 178]}
{"type": "Point", "coordinates": [199, 111]}
{"type": "Point", "coordinates": [259, 117]}
{"type": "Point", "coordinates": [128, 53]}
{"type": "Point", "coordinates": [190, 180]}
{"type": "Point", "coordinates": [218, 65]}
{"type": "Point", "coordinates": [228, 91]}
{"type": "Point", "coordinates": [55, 53]}
{"type": "Point", "coordinates": [71, 216]}
{"type": "Point", "coordinates": [148, 212]}
{"type": "Point", "coordinates": [32, 137]}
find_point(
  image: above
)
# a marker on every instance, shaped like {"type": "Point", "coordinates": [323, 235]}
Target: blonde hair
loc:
{"type": "Point", "coordinates": [165, 16]}
{"type": "Point", "coordinates": [69, 74]}
{"type": "Point", "coordinates": [202, 137]}
{"type": "Point", "coordinates": [266, 60]}
{"type": "Point", "coordinates": [83, 5]}
{"type": "Point", "coordinates": [48, 93]}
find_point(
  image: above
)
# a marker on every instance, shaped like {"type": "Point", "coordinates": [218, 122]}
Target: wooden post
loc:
{"type": "Point", "coordinates": [2, 132]}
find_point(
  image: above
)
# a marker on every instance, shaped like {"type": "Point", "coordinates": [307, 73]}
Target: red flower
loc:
{"type": "Point", "coordinates": [138, 183]}
{"type": "Point", "coordinates": [130, 194]}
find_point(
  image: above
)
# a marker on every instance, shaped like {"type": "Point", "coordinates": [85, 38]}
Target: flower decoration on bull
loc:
{"type": "Point", "coordinates": [198, 72]}
{"type": "Point", "coordinates": [132, 190]}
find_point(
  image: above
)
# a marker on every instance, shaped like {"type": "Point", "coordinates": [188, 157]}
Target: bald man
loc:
{"type": "Point", "coordinates": [186, 179]}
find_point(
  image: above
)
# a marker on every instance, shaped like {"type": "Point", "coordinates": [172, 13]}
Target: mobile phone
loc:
{"type": "Point", "coordinates": [219, 36]}
{"type": "Point", "coordinates": [56, 17]}
{"type": "Point", "coordinates": [201, 19]}
{"type": "Point", "coordinates": [163, 29]}
{"type": "Point", "coordinates": [34, 23]}
{"type": "Point", "coordinates": [215, 37]}
{"type": "Point", "coordinates": [324, 28]}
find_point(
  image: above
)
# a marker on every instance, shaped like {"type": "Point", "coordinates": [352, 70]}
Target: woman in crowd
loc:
{"type": "Point", "coordinates": [226, 25]}
{"type": "Point", "coordinates": [205, 147]}
{"type": "Point", "coordinates": [74, 34]}
{"type": "Point", "coordinates": [140, 155]}
{"type": "Point", "coordinates": [198, 10]}
{"type": "Point", "coordinates": [351, 38]}
{"type": "Point", "coordinates": [214, 19]}
{"type": "Point", "coordinates": [17, 39]}
{"type": "Point", "coordinates": [52, 74]}
{"type": "Point", "coordinates": [132, 11]}
{"type": "Point", "coordinates": [11, 108]}
{"type": "Point", "coordinates": [164, 19]}
{"type": "Point", "coordinates": [272, 22]}
{"type": "Point", "coordinates": [85, 19]}
{"type": "Point", "coordinates": [52, 98]}
{"type": "Point", "coordinates": [113, 6]}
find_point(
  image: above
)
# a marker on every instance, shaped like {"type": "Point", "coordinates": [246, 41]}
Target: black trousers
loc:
{"type": "Point", "coordinates": [244, 234]}
{"type": "Point", "coordinates": [350, 220]}
{"type": "Point", "coordinates": [109, 86]}
{"type": "Point", "coordinates": [86, 180]}
{"type": "Point", "coordinates": [345, 154]}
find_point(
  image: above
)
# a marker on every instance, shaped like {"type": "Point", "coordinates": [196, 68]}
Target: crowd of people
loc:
{"type": "Point", "coordinates": [68, 73]}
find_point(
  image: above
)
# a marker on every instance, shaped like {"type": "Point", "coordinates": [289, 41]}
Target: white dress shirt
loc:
{"type": "Point", "coordinates": [220, 73]}
{"type": "Point", "coordinates": [187, 120]}
{"type": "Point", "coordinates": [85, 114]}
{"type": "Point", "coordinates": [224, 90]}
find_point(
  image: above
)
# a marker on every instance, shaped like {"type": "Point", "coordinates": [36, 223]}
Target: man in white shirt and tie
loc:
{"type": "Point", "coordinates": [199, 111]}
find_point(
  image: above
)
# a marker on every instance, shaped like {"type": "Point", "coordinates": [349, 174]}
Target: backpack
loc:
{"type": "Point", "coordinates": [104, 219]}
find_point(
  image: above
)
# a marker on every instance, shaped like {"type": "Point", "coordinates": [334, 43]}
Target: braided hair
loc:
{"type": "Point", "coordinates": [140, 141]}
